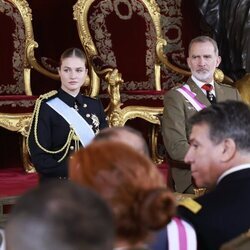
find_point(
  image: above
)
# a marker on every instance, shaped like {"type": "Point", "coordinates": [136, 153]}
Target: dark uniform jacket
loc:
{"type": "Point", "coordinates": [224, 212]}
{"type": "Point", "coordinates": [175, 128]}
{"type": "Point", "coordinates": [53, 130]}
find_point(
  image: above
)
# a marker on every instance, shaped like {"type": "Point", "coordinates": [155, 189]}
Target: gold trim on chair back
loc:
{"type": "Point", "coordinates": [19, 123]}
{"type": "Point", "coordinates": [16, 21]}
{"type": "Point", "coordinates": [25, 12]}
{"type": "Point", "coordinates": [80, 15]}
{"type": "Point", "coordinates": [30, 44]}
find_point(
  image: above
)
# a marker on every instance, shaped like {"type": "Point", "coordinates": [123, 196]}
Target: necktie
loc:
{"type": "Point", "coordinates": [208, 87]}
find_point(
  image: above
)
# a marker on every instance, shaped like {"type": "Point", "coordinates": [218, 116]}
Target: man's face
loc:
{"type": "Point", "coordinates": [204, 157]}
{"type": "Point", "coordinates": [203, 61]}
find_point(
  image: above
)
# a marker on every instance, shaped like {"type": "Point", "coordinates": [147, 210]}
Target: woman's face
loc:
{"type": "Point", "coordinates": [73, 74]}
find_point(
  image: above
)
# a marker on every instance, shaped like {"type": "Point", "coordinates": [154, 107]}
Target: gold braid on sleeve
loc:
{"type": "Point", "coordinates": [34, 120]}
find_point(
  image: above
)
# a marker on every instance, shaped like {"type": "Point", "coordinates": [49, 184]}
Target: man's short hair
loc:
{"type": "Point", "coordinates": [60, 215]}
{"type": "Point", "coordinates": [203, 39]}
{"type": "Point", "coordinates": [229, 119]}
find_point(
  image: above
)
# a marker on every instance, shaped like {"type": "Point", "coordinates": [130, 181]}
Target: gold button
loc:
{"type": "Point", "coordinates": [85, 105]}
{"type": "Point", "coordinates": [72, 147]}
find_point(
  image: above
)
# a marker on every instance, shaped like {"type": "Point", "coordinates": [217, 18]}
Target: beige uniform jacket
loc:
{"type": "Point", "coordinates": [175, 129]}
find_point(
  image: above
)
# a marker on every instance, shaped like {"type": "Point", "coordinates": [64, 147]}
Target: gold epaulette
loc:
{"type": "Point", "coordinates": [191, 204]}
{"type": "Point", "coordinates": [40, 99]}
{"type": "Point", "coordinates": [225, 85]}
{"type": "Point", "coordinates": [47, 95]}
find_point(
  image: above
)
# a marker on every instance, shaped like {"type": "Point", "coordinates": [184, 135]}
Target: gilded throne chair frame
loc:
{"type": "Point", "coordinates": [16, 94]}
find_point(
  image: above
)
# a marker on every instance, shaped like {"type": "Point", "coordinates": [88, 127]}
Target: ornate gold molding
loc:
{"type": "Point", "coordinates": [161, 43]}
{"type": "Point", "coordinates": [80, 10]}
{"type": "Point", "coordinates": [119, 116]}
{"type": "Point", "coordinates": [31, 45]}
{"type": "Point", "coordinates": [16, 122]}
{"type": "Point", "coordinates": [19, 123]}
{"type": "Point", "coordinates": [155, 133]}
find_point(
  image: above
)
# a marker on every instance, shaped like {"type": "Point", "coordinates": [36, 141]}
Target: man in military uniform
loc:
{"type": "Point", "coordinates": [219, 156]}
{"type": "Point", "coordinates": [64, 120]}
{"type": "Point", "coordinates": [182, 102]}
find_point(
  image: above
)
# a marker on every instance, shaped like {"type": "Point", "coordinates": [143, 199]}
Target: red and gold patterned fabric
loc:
{"type": "Point", "coordinates": [125, 38]}
{"type": "Point", "coordinates": [13, 61]}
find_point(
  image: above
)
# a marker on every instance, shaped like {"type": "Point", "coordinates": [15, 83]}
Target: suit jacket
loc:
{"type": "Point", "coordinates": [224, 213]}
{"type": "Point", "coordinates": [53, 130]}
{"type": "Point", "coordinates": [175, 128]}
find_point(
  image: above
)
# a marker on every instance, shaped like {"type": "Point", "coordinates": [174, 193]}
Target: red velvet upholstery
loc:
{"type": "Point", "coordinates": [12, 56]}
{"type": "Point", "coordinates": [17, 103]}
{"type": "Point", "coordinates": [125, 38]}
{"type": "Point", "coordinates": [54, 31]}
{"type": "Point", "coordinates": [16, 181]}
{"type": "Point", "coordinates": [13, 178]}
{"type": "Point", "coordinates": [13, 61]}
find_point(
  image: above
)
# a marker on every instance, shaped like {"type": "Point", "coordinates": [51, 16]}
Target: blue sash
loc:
{"type": "Point", "coordinates": [74, 119]}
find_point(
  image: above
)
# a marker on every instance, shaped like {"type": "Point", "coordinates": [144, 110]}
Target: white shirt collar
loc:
{"type": "Point", "coordinates": [200, 84]}
{"type": "Point", "coordinates": [232, 170]}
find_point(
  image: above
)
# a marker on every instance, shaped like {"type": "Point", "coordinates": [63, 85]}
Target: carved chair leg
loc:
{"type": "Point", "coordinates": [28, 166]}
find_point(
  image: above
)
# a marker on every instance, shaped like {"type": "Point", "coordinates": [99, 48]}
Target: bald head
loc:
{"type": "Point", "coordinates": [126, 135]}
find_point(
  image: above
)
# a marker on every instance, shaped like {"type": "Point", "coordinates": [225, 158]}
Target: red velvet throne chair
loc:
{"type": "Point", "coordinates": [16, 100]}
{"type": "Point", "coordinates": [124, 46]}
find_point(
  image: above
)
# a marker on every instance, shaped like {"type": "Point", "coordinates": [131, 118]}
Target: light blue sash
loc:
{"type": "Point", "coordinates": [77, 122]}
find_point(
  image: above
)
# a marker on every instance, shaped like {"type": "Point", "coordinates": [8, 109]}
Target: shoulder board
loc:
{"type": "Point", "coordinates": [48, 95]}
{"type": "Point", "coordinates": [191, 205]}
{"type": "Point", "coordinates": [178, 85]}
{"type": "Point", "coordinates": [175, 87]}
{"type": "Point", "coordinates": [90, 97]}
{"type": "Point", "coordinates": [225, 85]}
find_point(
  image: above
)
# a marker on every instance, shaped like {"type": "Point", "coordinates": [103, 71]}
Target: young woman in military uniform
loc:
{"type": "Point", "coordinates": [64, 120]}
